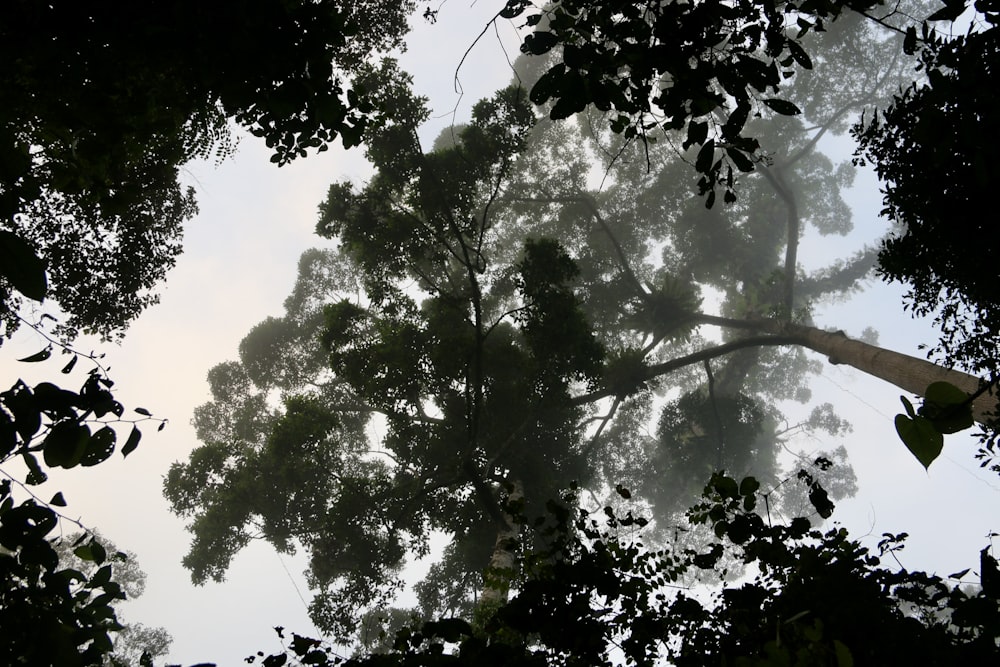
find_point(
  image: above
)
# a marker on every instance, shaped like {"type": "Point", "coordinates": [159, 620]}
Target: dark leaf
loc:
{"type": "Point", "coordinates": [705, 157]}
{"type": "Point", "coordinates": [65, 444]}
{"type": "Point", "coordinates": [133, 441]}
{"type": "Point", "coordinates": [910, 41]}
{"type": "Point", "coordinates": [740, 159]}
{"type": "Point", "coordinates": [72, 362]}
{"type": "Point", "coordinates": [920, 437]}
{"type": "Point", "coordinates": [58, 500]}
{"type": "Point", "coordinates": [21, 266]}
{"type": "Point", "coordinates": [784, 107]}
{"type": "Point", "coordinates": [100, 447]}
{"type": "Point", "coordinates": [35, 473]}
{"type": "Point", "coordinates": [799, 54]}
{"type": "Point", "coordinates": [39, 356]}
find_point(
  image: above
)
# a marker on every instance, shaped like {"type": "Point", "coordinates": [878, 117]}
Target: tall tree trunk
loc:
{"type": "Point", "coordinates": [502, 562]}
{"type": "Point", "coordinates": [911, 374]}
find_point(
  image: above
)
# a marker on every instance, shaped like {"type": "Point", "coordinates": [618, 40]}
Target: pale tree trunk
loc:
{"type": "Point", "coordinates": [911, 374]}
{"type": "Point", "coordinates": [503, 560]}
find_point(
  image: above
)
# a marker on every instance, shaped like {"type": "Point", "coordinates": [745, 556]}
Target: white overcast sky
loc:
{"type": "Point", "coordinates": [239, 263]}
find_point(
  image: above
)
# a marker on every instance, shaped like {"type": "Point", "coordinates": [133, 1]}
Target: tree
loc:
{"type": "Point", "coordinates": [501, 324]}
{"type": "Point", "coordinates": [626, 59]}
{"type": "Point", "coordinates": [51, 615]}
{"type": "Point", "coordinates": [91, 151]}
{"type": "Point", "coordinates": [133, 639]}
{"type": "Point", "coordinates": [597, 595]}
{"type": "Point", "coordinates": [940, 120]}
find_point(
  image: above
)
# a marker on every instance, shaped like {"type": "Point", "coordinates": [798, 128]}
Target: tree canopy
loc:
{"type": "Point", "coordinates": [529, 306]}
{"type": "Point", "coordinates": [495, 321]}
{"type": "Point", "coordinates": [597, 595]}
{"type": "Point", "coordinates": [940, 120]}
{"type": "Point", "coordinates": [91, 149]}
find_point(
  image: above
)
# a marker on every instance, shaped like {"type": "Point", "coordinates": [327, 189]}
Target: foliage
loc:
{"type": "Point", "coordinates": [471, 384]}
{"type": "Point", "coordinates": [595, 595]}
{"type": "Point", "coordinates": [626, 59]}
{"type": "Point", "coordinates": [56, 612]}
{"type": "Point", "coordinates": [492, 323]}
{"type": "Point", "coordinates": [51, 614]}
{"type": "Point", "coordinates": [91, 151]}
{"type": "Point", "coordinates": [941, 120]}
{"type": "Point", "coordinates": [133, 639]}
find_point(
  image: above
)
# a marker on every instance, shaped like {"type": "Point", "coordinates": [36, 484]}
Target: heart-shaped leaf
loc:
{"type": "Point", "coordinates": [920, 437]}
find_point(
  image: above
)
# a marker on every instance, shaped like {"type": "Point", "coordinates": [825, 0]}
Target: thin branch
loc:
{"type": "Point", "coordinates": [600, 429]}
{"type": "Point", "coordinates": [592, 207]}
{"type": "Point", "coordinates": [656, 370]}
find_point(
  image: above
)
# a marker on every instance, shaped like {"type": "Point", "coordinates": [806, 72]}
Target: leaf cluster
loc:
{"type": "Point", "coordinates": [91, 151]}
{"type": "Point", "coordinates": [594, 597]}
{"type": "Point", "coordinates": [676, 66]}
{"type": "Point", "coordinates": [941, 120]}
{"type": "Point", "coordinates": [51, 614]}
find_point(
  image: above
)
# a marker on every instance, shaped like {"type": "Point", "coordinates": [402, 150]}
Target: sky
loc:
{"type": "Point", "coordinates": [239, 264]}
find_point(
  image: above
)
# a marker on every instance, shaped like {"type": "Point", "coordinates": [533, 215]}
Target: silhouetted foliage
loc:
{"type": "Point", "coordinates": [596, 595]}
{"type": "Point", "coordinates": [928, 148]}
{"type": "Point", "coordinates": [102, 106]}
{"type": "Point", "coordinates": [697, 67]}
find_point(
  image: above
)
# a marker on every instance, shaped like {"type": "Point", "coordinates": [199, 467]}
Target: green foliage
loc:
{"type": "Point", "coordinates": [88, 553]}
{"type": "Point", "coordinates": [53, 611]}
{"type": "Point", "coordinates": [468, 368]}
{"type": "Point", "coordinates": [595, 595]}
{"type": "Point", "coordinates": [555, 328]}
{"type": "Point", "coordinates": [946, 409]}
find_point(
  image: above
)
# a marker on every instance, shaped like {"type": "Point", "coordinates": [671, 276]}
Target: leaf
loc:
{"type": "Point", "coordinates": [784, 107]}
{"type": "Point", "coordinates": [908, 407]}
{"type": "Point", "coordinates": [84, 552]}
{"type": "Point", "coordinates": [35, 474]}
{"type": "Point", "coordinates": [144, 412]}
{"type": "Point", "coordinates": [65, 444]}
{"type": "Point", "coordinates": [38, 356]}
{"type": "Point", "coordinates": [910, 41]}
{"type": "Point", "coordinates": [959, 574]}
{"type": "Point", "coordinates": [697, 134]}
{"type": "Point", "coordinates": [100, 447]}
{"type": "Point", "coordinates": [947, 407]}
{"type": "Point", "coordinates": [799, 54]}
{"type": "Point", "coordinates": [844, 657]}
{"type": "Point", "coordinates": [726, 486]}
{"type": "Point", "coordinates": [72, 362]}
{"type": "Point", "coordinates": [705, 157]}
{"type": "Point", "coordinates": [749, 486]}
{"type": "Point", "coordinates": [945, 393]}
{"type": "Point", "coordinates": [133, 441]}
{"type": "Point", "coordinates": [740, 159]}
{"type": "Point", "coordinates": [58, 500]}
{"type": "Point", "coordinates": [920, 437]}
{"type": "Point", "coordinates": [820, 500]}
{"type": "Point", "coordinates": [21, 266]}
{"type": "Point", "coordinates": [538, 42]}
